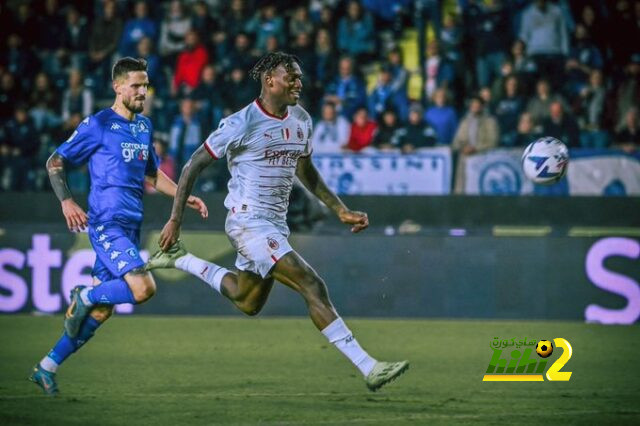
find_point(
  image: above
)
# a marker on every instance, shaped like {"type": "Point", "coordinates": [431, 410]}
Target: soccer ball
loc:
{"type": "Point", "coordinates": [544, 348]}
{"type": "Point", "coordinates": [545, 160]}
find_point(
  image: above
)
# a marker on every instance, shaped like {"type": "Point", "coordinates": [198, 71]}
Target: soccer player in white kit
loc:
{"type": "Point", "coordinates": [268, 144]}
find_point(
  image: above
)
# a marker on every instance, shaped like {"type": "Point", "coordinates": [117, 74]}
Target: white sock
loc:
{"type": "Point", "coordinates": [49, 364]}
{"type": "Point", "coordinates": [84, 295]}
{"type": "Point", "coordinates": [338, 334]}
{"type": "Point", "coordinates": [208, 272]}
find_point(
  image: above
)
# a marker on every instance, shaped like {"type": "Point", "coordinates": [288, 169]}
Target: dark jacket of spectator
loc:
{"type": "Point", "coordinates": [355, 31]}
{"type": "Point", "coordinates": [136, 28]}
{"type": "Point", "coordinates": [562, 126]}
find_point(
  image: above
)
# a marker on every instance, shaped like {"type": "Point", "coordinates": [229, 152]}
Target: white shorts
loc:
{"type": "Point", "coordinates": [260, 238]}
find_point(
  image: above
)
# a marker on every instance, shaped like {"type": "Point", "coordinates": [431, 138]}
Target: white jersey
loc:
{"type": "Point", "coordinates": [262, 153]}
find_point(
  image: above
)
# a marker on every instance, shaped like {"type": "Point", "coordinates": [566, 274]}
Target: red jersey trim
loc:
{"type": "Point", "coordinates": [210, 151]}
{"type": "Point", "coordinates": [268, 114]}
{"type": "Point", "coordinates": [275, 259]}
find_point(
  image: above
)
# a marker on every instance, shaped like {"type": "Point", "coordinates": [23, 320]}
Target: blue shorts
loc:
{"type": "Point", "coordinates": [116, 250]}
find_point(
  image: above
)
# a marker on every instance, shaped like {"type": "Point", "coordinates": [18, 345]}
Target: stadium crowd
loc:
{"type": "Point", "coordinates": [491, 73]}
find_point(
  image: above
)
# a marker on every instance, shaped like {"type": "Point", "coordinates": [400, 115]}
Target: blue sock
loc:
{"type": "Point", "coordinates": [66, 345]}
{"type": "Point", "coordinates": [111, 292]}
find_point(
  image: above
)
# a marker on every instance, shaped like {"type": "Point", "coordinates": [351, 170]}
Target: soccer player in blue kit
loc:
{"type": "Point", "coordinates": [117, 143]}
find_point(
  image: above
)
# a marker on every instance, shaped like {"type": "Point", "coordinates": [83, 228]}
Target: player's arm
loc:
{"type": "Point", "coordinates": [198, 161]}
{"type": "Point", "coordinates": [74, 214]}
{"type": "Point", "coordinates": [163, 184]}
{"type": "Point", "coordinates": [311, 179]}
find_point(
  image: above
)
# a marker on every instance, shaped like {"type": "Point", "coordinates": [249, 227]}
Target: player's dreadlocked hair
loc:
{"type": "Point", "coordinates": [271, 61]}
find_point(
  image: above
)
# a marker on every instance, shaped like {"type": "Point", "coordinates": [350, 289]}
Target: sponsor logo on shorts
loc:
{"type": "Point", "coordinates": [106, 245]}
{"type": "Point", "coordinates": [100, 228]}
{"type": "Point", "coordinates": [115, 254]}
{"type": "Point", "coordinates": [122, 264]}
{"type": "Point", "coordinates": [273, 244]}
{"type": "Point", "coordinates": [102, 237]}
{"type": "Point", "coordinates": [133, 253]}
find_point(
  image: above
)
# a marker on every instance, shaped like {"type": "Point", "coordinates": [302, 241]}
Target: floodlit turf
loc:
{"type": "Point", "coordinates": [207, 370]}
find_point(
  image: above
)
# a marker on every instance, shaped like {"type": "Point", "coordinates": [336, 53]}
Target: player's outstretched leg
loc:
{"type": "Point", "coordinates": [293, 271]}
{"type": "Point", "coordinates": [246, 290]}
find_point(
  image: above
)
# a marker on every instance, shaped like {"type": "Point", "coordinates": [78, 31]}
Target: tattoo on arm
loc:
{"type": "Point", "coordinates": [198, 161]}
{"type": "Point", "coordinates": [58, 177]}
{"type": "Point", "coordinates": [309, 176]}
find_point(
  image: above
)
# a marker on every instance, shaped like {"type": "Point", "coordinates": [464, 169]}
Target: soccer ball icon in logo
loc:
{"type": "Point", "coordinates": [544, 348]}
{"type": "Point", "coordinates": [545, 160]}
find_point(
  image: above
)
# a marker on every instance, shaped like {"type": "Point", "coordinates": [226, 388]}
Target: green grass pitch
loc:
{"type": "Point", "coordinates": [281, 371]}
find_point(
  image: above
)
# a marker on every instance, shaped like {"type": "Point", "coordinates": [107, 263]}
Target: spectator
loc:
{"type": "Point", "coordinates": [356, 36]}
{"type": "Point", "coordinates": [523, 66]}
{"type": "Point", "coordinates": [497, 87]}
{"type": "Point", "coordinates": [478, 132]}
{"type": "Point", "coordinates": [347, 91]}
{"type": "Point", "coordinates": [562, 126]}
{"type": "Point", "coordinates": [208, 98]}
{"type": "Point", "coordinates": [331, 133]}
{"type": "Point", "coordinates": [75, 40]}
{"type": "Point", "coordinates": [18, 60]}
{"type": "Point", "coordinates": [538, 106]}
{"type": "Point", "coordinates": [239, 91]}
{"type": "Point", "coordinates": [167, 163]}
{"type": "Point", "coordinates": [141, 25]}
{"type": "Point", "coordinates": [20, 149]}
{"type": "Point", "coordinates": [451, 37]}
{"type": "Point", "coordinates": [490, 32]}
{"type": "Point", "coordinates": [189, 65]}
{"type": "Point", "coordinates": [399, 74]}
{"type": "Point", "coordinates": [24, 24]}
{"type": "Point", "coordinates": [267, 23]}
{"type": "Point", "coordinates": [416, 133]}
{"type": "Point", "coordinates": [44, 104]}
{"type": "Point", "coordinates": [240, 56]}
{"type": "Point", "coordinates": [327, 19]}
{"type": "Point", "coordinates": [300, 23]}
{"type": "Point", "coordinates": [544, 31]}
{"type": "Point", "coordinates": [384, 97]}
{"type": "Point", "coordinates": [591, 113]}
{"type": "Point", "coordinates": [442, 117]}
{"type": "Point", "coordinates": [508, 109]}
{"type": "Point", "coordinates": [628, 132]}
{"type": "Point", "coordinates": [51, 26]}
{"type": "Point", "coordinates": [77, 100]}
{"type": "Point", "coordinates": [584, 57]}
{"type": "Point", "coordinates": [103, 42]}
{"type": "Point", "coordinates": [173, 30]}
{"type": "Point", "coordinates": [201, 20]}
{"type": "Point", "coordinates": [302, 48]}
{"type": "Point", "coordinates": [526, 132]}
{"type": "Point", "coordinates": [157, 79]}
{"type": "Point", "coordinates": [9, 95]}
{"type": "Point", "coordinates": [385, 138]}
{"type": "Point", "coordinates": [440, 73]}
{"type": "Point", "coordinates": [271, 45]}
{"type": "Point", "coordinates": [628, 94]}
{"type": "Point", "coordinates": [362, 131]}
{"type": "Point", "coordinates": [186, 133]}
{"type": "Point", "coordinates": [323, 66]}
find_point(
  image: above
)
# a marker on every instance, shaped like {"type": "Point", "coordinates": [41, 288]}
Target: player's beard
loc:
{"type": "Point", "coordinates": [133, 106]}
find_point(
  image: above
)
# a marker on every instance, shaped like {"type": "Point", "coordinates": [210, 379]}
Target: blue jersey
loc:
{"type": "Point", "coordinates": [120, 153]}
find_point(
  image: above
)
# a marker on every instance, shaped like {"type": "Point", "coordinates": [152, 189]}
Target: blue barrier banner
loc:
{"type": "Point", "coordinates": [427, 172]}
{"type": "Point", "coordinates": [590, 172]}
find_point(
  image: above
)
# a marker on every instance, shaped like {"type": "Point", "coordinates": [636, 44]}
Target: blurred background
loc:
{"type": "Point", "coordinates": [421, 111]}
